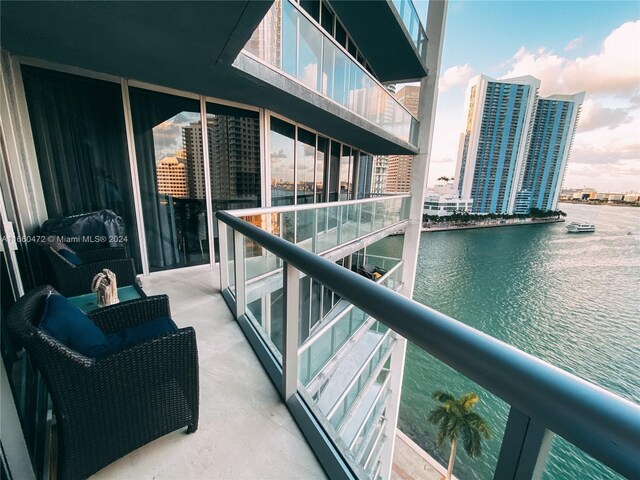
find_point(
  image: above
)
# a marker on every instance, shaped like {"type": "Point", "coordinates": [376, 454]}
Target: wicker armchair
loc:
{"type": "Point", "coordinates": [109, 406]}
{"type": "Point", "coordinates": [72, 280]}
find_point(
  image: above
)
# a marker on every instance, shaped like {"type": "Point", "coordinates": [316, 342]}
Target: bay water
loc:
{"type": "Point", "coordinates": [572, 300]}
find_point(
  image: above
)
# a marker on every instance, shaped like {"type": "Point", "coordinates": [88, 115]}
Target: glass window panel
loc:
{"type": "Point", "coordinates": [327, 19]}
{"type": "Point", "coordinates": [305, 165]}
{"type": "Point", "coordinates": [282, 147]}
{"type": "Point", "coordinates": [345, 180]}
{"type": "Point", "coordinates": [334, 172]}
{"type": "Point", "coordinates": [341, 35]}
{"type": "Point", "coordinates": [81, 147]}
{"type": "Point", "coordinates": [312, 7]}
{"type": "Point", "coordinates": [169, 154]}
{"type": "Point", "coordinates": [234, 158]}
{"type": "Point", "coordinates": [322, 155]}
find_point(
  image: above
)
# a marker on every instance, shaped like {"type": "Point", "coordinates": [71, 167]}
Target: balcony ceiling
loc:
{"type": "Point", "coordinates": [188, 46]}
{"type": "Point", "coordinates": [380, 34]}
{"type": "Point", "coordinates": [169, 43]}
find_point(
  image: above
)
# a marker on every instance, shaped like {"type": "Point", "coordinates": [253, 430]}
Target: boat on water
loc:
{"type": "Point", "coordinates": [581, 227]}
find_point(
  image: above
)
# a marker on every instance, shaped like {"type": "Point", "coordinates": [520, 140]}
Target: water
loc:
{"type": "Point", "coordinates": [570, 299]}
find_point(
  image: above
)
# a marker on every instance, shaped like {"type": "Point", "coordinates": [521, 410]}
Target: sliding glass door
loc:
{"type": "Point", "coordinates": [171, 172]}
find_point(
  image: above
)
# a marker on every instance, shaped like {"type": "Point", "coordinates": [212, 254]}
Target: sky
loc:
{"type": "Point", "coordinates": [591, 46]}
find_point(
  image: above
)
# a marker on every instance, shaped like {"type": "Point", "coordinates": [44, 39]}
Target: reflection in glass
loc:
{"type": "Point", "coordinates": [321, 160]}
{"type": "Point", "coordinates": [282, 162]}
{"type": "Point", "coordinates": [334, 171]}
{"type": "Point", "coordinates": [234, 158]}
{"type": "Point", "coordinates": [365, 168]}
{"type": "Point", "coordinates": [305, 165]}
{"type": "Point", "coordinates": [345, 179]}
{"type": "Point", "coordinates": [169, 156]}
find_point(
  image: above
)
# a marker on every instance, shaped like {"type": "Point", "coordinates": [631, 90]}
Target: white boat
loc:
{"type": "Point", "coordinates": [581, 227]}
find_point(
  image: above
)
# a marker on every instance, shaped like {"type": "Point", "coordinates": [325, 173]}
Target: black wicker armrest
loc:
{"type": "Point", "coordinates": [117, 317]}
{"type": "Point", "coordinates": [93, 256]}
{"type": "Point", "coordinates": [77, 280]}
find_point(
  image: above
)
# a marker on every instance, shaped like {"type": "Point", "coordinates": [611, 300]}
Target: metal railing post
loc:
{"type": "Point", "coordinates": [224, 257]}
{"type": "Point", "coordinates": [241, 301]}
{"type": "Point", "coordinates": [290, 331]}
{"type": "Point", "coordinates": [525, 447]}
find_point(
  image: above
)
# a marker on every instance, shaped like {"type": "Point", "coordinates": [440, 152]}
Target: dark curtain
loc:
{"type": "Point", "coordinates": [80, 141]}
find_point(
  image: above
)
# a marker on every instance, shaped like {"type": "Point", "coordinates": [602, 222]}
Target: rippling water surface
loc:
{"type": "Point", "coordinates": [570, 299]}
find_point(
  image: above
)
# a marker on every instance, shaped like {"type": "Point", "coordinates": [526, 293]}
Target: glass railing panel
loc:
{"type": "Point", "coordinates": [423, 376]}
{"type": "Point", "coordinates": [286, 39]}
{"type": "Point", "coordinates": [305, 221]}
{"type": "Point", "coordinates": [411, 20]}
{"type": "Point", "coordinates": [258, 261]}
{"type": "Point", "coordinates": [374, 363]}
{"type": "Point", "coordinates": [567, 461]}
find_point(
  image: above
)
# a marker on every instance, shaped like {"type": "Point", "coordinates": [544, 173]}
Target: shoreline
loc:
{"type": "Point", "coordinates": [633, 204]}
{"type": "Point", "coordinates": [491, 225]}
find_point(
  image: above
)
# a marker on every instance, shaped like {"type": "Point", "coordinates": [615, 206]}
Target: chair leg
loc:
{"type": "Point", "coordinates": [192, 427]}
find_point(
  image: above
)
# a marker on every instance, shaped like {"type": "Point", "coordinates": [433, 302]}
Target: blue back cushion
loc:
{"type": "Point", "coordinates": [67, 324]}
{"type": "Point", "coordinates": [140, 333]}
{"type": "Point", "coordinates": [71, 257]}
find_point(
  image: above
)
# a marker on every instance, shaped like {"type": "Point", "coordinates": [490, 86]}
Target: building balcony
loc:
{"type": "Point", "coordinates": [289, 42]}
{"type": "Point", "coordinates": [320, 404]}
{"type": "Point", "coordinates": [397, 51]}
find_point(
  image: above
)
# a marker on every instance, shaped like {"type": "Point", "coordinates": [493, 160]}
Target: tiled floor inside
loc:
{"type": "Point", "coordinates": [245, 430]}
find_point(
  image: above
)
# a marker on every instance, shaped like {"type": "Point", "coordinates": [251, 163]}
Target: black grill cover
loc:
{"type": "Point", "coordinates": [86, 231]}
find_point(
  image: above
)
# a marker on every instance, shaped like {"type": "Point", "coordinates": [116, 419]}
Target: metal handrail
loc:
{"type": "Point", "coordinates": [245, 212]}
{"type": "Point", "coordinates": [597, 421]}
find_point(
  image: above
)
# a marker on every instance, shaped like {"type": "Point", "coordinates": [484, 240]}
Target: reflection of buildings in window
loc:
{"type": "Point", "coordinates": [234, 158]}
{"type": "Point", "coordinates": [171, 173]}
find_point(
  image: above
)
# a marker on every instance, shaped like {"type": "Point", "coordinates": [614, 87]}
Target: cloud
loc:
{"type": "Point", "coordinates": [593, 116]}
{"type": "Point", "coordinates": [575, 43]}
{"type": "Point", "coordinates": [458, 75]}
{"type": "Point", "coordinates": [614, 69]}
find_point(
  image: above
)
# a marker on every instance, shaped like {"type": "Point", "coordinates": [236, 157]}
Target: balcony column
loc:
{"type": "Point", "coordinates": [290, 331]}
{"type": "Point", "coordinates": [436, 18]}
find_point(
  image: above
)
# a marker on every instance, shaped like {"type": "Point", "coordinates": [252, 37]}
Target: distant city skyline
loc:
{"type": "Point", "coordinates": [574, 46]}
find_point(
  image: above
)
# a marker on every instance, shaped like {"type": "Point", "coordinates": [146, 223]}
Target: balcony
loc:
{"type": "Point", "coordinates": [542, 400]}
{"type": "Point", "coordinates": [397, 55]}
{"type": "Point", "coordinates": [291, 43]}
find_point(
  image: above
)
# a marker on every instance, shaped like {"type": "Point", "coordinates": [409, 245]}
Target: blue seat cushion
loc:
{"type": "Point", "coordinates": [140, 333]}
{"type": "Point", "coordinates": [70, 326]}
{"type": "Point", "coordinates": [70, 257]}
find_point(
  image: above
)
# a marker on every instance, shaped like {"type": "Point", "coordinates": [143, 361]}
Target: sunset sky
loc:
{"type": "Point", "coordinates": [591, 46]}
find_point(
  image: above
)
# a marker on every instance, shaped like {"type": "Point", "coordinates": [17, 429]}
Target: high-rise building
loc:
{"type": "Point", "coordinates": [399, 166]}
{"type": "Point", "coordinates": [295, 100]}
{"type": "Point", "coordinates": [172, 177]}
{"type": "Point", "coordinates": [551, 138]}
{"type": "Point", "coordinates": [493, 147]}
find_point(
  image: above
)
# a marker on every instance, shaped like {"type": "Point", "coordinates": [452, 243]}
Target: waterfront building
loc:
{"type": "Point", "coordinates": [446, 204]}
{"type": "Point", "coordinates": [492, 148]}
{"type": "Point", "coordinates": [550, 142]}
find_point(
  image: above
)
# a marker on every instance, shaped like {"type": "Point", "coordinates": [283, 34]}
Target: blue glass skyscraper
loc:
{"type": "Point", "coordinates": [493, 145]}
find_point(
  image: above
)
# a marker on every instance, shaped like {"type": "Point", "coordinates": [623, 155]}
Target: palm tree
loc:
{"type": "Point", "coordinates": [455, 421]}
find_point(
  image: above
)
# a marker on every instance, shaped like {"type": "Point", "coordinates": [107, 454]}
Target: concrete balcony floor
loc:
{"type": "Point", "coordinates": [245, 430]}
